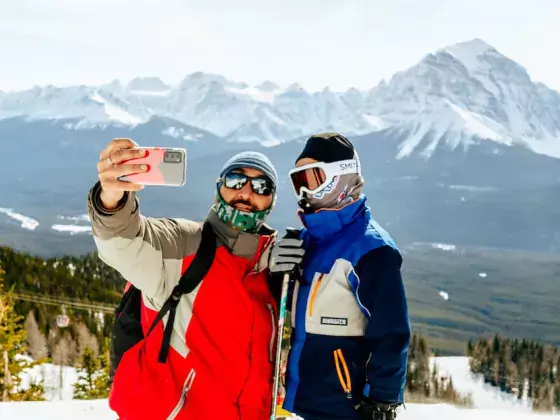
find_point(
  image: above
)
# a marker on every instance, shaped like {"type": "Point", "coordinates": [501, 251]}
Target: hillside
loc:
{"type": "Point", "coordinates": [456, 293]}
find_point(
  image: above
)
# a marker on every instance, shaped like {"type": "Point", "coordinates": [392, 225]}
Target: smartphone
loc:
{"type": "Point", "coordinates": [166, 166]}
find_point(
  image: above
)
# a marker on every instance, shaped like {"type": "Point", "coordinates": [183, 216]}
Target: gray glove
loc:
{"type": "Point", "coordinates": [287, 254]}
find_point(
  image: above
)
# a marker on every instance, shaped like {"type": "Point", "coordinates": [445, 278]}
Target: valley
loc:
{"type": "Point", "coordinates": [460, 149]}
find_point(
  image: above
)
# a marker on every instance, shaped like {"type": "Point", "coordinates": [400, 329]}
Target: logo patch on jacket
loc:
{"type": "Point", "coordinates": [327, 320]}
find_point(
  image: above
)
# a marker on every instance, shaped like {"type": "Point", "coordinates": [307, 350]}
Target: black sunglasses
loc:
{"type": "Point", "coordinates": [260, 185]}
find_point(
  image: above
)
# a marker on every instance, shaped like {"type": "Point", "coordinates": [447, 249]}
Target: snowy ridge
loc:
{"type": "Point", "coordinates": [91, 104]}
{"type": "Point", "coordinates": [454, 98]}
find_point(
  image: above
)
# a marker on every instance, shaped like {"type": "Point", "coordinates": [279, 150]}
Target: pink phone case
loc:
{"type": "Point", "coordinates": [166, 166]}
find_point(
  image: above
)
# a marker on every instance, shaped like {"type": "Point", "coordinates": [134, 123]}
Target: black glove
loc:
{"type": "Point", "coordinates": [287, 254]}
{"type": "Point", "coordinates": [374, 410]}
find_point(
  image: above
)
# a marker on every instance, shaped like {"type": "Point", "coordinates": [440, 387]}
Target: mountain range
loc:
{"type": "Point", "coordinates": [461, 148]}
{"type": "Point", "coordinates": [460, 92]}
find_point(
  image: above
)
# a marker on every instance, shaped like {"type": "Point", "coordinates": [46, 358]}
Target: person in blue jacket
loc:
{"type": "Point", "coordinates": [351, 328]}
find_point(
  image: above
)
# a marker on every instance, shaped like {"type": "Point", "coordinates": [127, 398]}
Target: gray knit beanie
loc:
{"type": "Point", "coordinates": [253, 160]}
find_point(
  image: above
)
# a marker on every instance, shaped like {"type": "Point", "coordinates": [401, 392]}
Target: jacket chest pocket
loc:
{"type": "Point", "coordinates": [332, 307]}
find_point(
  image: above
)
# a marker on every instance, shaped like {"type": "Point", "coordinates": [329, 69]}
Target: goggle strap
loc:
{"type": "Point", "coordinates": [332, 169]}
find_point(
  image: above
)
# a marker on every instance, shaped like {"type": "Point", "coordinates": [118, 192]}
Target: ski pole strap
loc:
{"type": "Point", "coordinates": [190, 279]}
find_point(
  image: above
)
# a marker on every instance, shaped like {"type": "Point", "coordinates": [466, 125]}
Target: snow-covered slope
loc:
{"type": "Point", "coordinates": [484, 396]}
{"type": "Point", "coordinates": [490, 404]}
{"type": "Point", "coordinates": [453, 98]}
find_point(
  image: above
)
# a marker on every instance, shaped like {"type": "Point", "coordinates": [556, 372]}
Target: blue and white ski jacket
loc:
{"type": "Point", "coordinates": [351, 328]}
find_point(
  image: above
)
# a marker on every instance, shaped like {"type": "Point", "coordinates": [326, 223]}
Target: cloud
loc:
{"type": "Point", "coordinates": [316, 42]}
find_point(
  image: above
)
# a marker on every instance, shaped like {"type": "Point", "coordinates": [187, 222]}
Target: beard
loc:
{"type": "Point", "coordinates": [247, 205]}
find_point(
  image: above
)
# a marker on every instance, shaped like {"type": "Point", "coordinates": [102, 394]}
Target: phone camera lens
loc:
{"type": "Point", "coordinates": [172, 157]}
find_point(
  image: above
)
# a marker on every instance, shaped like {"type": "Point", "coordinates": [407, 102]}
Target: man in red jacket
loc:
{"type": "Point", "coordinates": [220, 360]}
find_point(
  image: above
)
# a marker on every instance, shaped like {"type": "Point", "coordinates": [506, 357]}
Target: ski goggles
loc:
{"type": "Point", "coordinates": [314, 177]}
{"type": "Point", "coordinates": [260, 185]}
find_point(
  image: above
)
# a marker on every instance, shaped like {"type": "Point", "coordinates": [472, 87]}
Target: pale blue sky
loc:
{"type": "Point", "coordinates": [340, 43]}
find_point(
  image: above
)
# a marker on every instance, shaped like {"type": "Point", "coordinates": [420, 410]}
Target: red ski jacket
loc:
{"type": "Point", "coordinates": [220, 362]}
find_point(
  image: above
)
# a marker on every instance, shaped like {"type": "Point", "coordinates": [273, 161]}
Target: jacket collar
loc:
{"type": "Point", "coordinates": [250, 246]}
{"type": "Point", "coordinates": [325, 223]}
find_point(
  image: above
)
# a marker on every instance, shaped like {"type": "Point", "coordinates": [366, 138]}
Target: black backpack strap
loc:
{"type": "Point", "coordinates": [190, 279]}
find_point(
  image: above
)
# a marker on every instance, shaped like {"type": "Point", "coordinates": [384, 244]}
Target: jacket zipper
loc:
{"type": "Point", "coordinates": [345, 380]}
{"type": "Point", "coordinates": [186, 388]}
{"type": "Point", "coordinates": [314, 294]}
{"type": "Point", "coordinates": [273, 336]}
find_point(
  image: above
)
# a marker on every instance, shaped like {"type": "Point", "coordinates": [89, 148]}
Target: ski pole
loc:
{"type": "Point", "coordinates": [279, 336]}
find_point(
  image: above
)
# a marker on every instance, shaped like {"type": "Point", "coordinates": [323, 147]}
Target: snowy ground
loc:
{"type": "Point", "coordinates": [98, 410]}
{"type": "Point", "coordinates": [490, 404]}
{"type": "Point", "coordinates": [52, 380]}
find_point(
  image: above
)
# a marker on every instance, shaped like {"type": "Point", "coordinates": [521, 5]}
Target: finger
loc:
{"type": "Point", "coordinates": [296, 250]}
{"type": "Point", "coordinates": [117, 185]}
{"type": "Point", "coordinates": [117, 171]}
{"type": "Point", "coordinates": [296, 243]}
{"type": "Point", "coordinates": [115, 144]}
{"type": "Point", "coordinates": [283, 267]}
{"type": "Point", "coordinates": [291, 256]}
{"type": "Point", "coordinates": [287, 259]}
{"type": "Point", "coordinates": [118, 157]}
{"type": "Point", "coordinates": [123, 155]}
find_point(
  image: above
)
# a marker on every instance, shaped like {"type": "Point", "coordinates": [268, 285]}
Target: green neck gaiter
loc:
{"type": "Point", "coordinates": [246, 221]}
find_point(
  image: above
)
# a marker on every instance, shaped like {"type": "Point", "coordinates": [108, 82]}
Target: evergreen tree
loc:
{"type": "Point", "coordinates": [470, 348]}
{"type": "Point", "coordinates": [93, 377]}
{"type": "Point", "coordinates": [496, 344]}
{"type": "Point", "coordinates": [435, 381]}
{"type": "Point", "coordinates": [521, 367]}
{"type": "Point", "coordinates": [12, 346]}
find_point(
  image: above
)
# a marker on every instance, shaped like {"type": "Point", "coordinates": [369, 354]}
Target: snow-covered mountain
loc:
{"type": "Point", "coordinates": [475, 113]}
{"type": "Point", "coordinates": [92, 105]}
{"type": "Point", "coordinates": [454, 98]}
{"type": "Point", "coordinates": [465, 93]}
